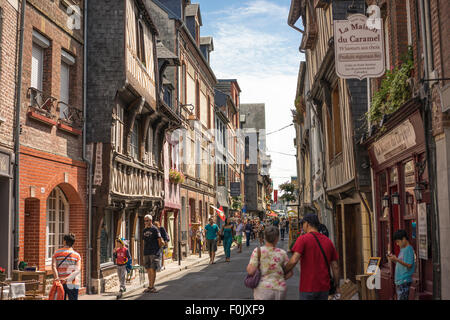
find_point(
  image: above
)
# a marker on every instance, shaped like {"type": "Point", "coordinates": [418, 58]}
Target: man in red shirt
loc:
{"type": "Point", "coordinates": [314, 275]}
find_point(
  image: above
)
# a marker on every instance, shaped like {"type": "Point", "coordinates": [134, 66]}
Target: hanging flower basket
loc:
{"type": "Point", "coordinates": [176, 177]}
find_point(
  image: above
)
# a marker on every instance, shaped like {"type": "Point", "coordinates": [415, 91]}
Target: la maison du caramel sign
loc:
{"type": "Point", "coordinates": [359, 49]}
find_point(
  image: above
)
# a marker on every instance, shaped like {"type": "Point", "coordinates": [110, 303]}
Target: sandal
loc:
{"type": "Point", "coordinates": [150, 290]}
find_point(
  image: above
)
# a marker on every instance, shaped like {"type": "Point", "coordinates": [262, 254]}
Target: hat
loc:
{"type": "Point", "coordinates": [311, 218]}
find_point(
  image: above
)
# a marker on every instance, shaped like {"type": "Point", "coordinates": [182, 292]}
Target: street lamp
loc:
{"type": "Point", "coordinates": [385, 201]}
{"type": "Point", "coordinates": [418, 191]}
{"type": "Point", "coordinates": [395, 198]}
{"type": "Point", "coordinates": [409, 198]}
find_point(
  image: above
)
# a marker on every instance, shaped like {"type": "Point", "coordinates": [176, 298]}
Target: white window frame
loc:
{"type": "Point", "coordinates": [59, 198]}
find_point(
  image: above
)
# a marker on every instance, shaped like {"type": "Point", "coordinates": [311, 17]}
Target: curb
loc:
{"type": "Point", "coordinates": [134, 289]}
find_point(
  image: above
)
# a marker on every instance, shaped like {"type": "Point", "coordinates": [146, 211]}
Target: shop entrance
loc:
{"type": "Point", "coordinates": [352, 224]}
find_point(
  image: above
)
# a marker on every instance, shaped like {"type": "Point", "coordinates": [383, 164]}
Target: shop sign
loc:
{"type": "Point", "coordinates": [359, 48]}
{"type": "Point", "coordinates": [423, 231]}
{"type": "Point", "coordinates": [398, 140]}
{"type": "Point", "coordinates": [98, 176]}
{"type": "Point", "coordinates": [235, 189]}
{"type": "Point", "coordinates": [4, 164]}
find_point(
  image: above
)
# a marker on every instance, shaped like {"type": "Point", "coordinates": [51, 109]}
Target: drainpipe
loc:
{"type": "Point", "coordinates": [430, 146]}
{"type": "Point", "coordinates": [88, 161]}
{"type": "Point", "coordinates": [17, 140]}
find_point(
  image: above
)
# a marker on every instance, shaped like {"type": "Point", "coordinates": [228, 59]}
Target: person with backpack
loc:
{"type": "Point", "coordinates": [316, 254]}
{"type": "Point", "coordinates": [66, 267]}
{"type": "Point", "coordinates": [121, 256]}
{"type": "Point", "coordinates": [166, 240]}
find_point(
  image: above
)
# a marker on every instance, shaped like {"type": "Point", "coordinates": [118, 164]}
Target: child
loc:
{"type": "Point", "coordinates": [405, 264]}
{"type": "Point", "coordinates": [121, 257]}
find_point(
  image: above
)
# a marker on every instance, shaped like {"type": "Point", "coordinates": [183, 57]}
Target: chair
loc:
{"type": "Point", "coordinates": [141, 273]}
{"type": "Point", "coordinates": [33, 290]}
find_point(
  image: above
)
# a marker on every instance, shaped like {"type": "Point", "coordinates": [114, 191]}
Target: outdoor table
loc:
{"type": "Point", "coordinates": [8, 284]}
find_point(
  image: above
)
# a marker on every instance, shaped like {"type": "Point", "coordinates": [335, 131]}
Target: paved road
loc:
{"type": "Point", "coordinates": [223, 281]}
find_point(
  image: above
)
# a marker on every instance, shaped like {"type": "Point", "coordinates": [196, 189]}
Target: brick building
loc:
{"type": "Point", "coordinates": [9, 17]}
{"type": "Point", "coordinates": [52, 171]}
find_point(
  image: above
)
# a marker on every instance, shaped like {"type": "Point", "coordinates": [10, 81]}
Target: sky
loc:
{"type": "Point", "coordinates": [254, 44]}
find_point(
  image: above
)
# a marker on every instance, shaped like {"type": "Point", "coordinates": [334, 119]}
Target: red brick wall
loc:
{"type": "Point", "coordinates": [47, 171]}
{"type": "Point", "coordinates": [35, 134]}
{"type": "Point", "coordinates": [8, 72]}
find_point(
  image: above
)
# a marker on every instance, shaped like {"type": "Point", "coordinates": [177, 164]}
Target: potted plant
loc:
{"type": "Point", "coordinates": [2, 274]}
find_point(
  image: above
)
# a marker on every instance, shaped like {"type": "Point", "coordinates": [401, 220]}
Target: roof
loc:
{"type": "Point", "coordinates": [164, 53]}
{"type": "Point", "coordinates": [143, 9]}
{"type": "Point", "coordinates": [296, 11]}
{"type": "Point", "coordinates": [194, 10]}
{"type": "Point", "coordinates": [207, 41]}
{"type": "Point", "coordinates": [226, 81]}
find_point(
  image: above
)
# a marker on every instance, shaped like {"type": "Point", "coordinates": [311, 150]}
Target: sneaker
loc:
{"type": "Point", "coordinates": [122, 290]}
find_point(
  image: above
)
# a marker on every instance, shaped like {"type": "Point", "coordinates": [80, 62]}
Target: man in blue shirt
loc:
{"type": "Point", "coordinates": [405, 265]}
{"type": "Point", "coordinates": [211, 239]}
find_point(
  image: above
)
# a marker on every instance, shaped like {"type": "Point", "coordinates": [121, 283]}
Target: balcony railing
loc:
{"type": "Point", "coordinates": [70, 115]}
{"type": "Point", "coordinates": [41, 103]}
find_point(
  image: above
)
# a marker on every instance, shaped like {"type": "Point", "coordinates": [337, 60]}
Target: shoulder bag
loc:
{"type": "Point", "coordinates": [253, 281]}
{"type": "Point", "coordinates": [332, 283]}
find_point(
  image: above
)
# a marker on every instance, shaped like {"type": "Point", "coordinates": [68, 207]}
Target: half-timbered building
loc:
{"type": "Point", "coordinates": [127, 124]}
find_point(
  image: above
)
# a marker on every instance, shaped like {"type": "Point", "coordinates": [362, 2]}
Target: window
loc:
{"type": "Point", "coordinates": [57, 222]}
{"type": "Point", "coordinates": [168, 96]}
{"type": "Point", "coordinates": [140, 47]}
{"type": "Point", "coordinates": [64, 90]}
{"type": "Point", "coordinates": [408, 22]}
{"type": "Point", "coordinates": [119, 128]}
{"type": "Point", "coordinates": [107, 238]}
{"type": "Point", "coordinates": [37, 66]}
{"type": "Point", "coordinates": [197, 99]}
{"type": "Point", "coordinates": [135, 140]}
{"type": "Point", "coordinates": [183, 84]}
{"type": "Point", "coordinates": [336, 122]}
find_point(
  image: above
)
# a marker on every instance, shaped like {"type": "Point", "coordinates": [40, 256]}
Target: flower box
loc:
{"type": "Point", "coordinates": [43, 119]}
{"type": "Point", "coordinates": [64, 127]}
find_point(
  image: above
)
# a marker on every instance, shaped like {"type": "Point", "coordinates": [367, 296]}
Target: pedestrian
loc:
{"type": "Point", "coordinates": [287, 226]}
{"type": "Point", "coordinates": [121, 256]}
{"type": "Point", "coordinates": [404, 264]}
{"type": "Point", "coordinates": [66, 266]}
{"type": "Point", "coordinates": [211, 239]}
{"type": "Point", "coordinates": [248, 232]}
{"type": "Point", "coordinates": [153, 242]}
{"type": "Point", "coordinates": [261, 229]}
{"type": "Point", "coordinates": [239, 232]}
{"type": "Point", "coordinates": [316, 253]}
{"type": "Point", "coordinates": [282, 228]}
{"type": "Point", "coordinates": [228, 234]}
{"type": "Point", "coordinates": [271, 262]}
{"type": "Point", "coordinates": [166, 240]}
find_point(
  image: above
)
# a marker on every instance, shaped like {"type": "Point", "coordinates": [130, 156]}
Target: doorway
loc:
{"type": "Point", "coordinates": [352, 221]}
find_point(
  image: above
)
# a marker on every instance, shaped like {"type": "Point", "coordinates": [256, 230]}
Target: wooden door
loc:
{"type": "Point", "coordinates": [352, 220]}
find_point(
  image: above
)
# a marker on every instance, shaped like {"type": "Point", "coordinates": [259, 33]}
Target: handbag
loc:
{"type": "Point", "coordinates": [332, 283]}
{"type": "Point", "coordinates": [252, 281]}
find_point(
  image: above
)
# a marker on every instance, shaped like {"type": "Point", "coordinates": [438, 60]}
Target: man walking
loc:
{"type": "Point", "coordinates": [282, 228]}
{"type": "Point", "coordinates": [211, 239]}
{"type": "Point", "coordinates": [311, 250]}
{"type": "Point", "coordinates": [405, 265]}
{"type": "Point", "coordinates": [66, 266]}
{"type": "Point", "coordinates": [248, 232]}
{"type": "Point", "coordinates": [239, 233]}
{"type": "Point", "coordinates": [152, 244]}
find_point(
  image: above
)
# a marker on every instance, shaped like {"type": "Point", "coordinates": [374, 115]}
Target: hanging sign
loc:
{"type": "Point", "coordinates": [359, 50]}
{"type": "Point", "coordinates": [423, 231]}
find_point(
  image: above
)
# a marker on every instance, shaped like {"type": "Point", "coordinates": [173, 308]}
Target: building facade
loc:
{"type": "Point", "coordinates": [127, 125]}
{"type": "Point", "coordinates": [53, 177]}
{"type": "Point", "coordinates": [338, 107]}
{"type": "Point", "coordinates": [180, 22]}
{"type": "Point", "coordinates": [9, 17]}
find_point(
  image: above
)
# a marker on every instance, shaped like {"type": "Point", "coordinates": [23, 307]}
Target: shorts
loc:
{"type": "Point", "coordinates": [239, 239]}
{"type": "Point", "coordinates": [152, 262]}
{"type": "Point", "coordinates": [403, 291]}
{"type": "Point", "coordinates": [211, 245]}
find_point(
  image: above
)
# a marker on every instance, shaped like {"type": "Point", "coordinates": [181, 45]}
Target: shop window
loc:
{"type": "Point", "coordinates": [57, 222]}
{"type": "Point", "coordinates": [107, 238]}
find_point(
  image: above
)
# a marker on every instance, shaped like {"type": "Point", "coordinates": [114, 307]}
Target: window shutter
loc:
{"type": "Point", "coordinates": [37, 64]}
{"type": "Point", "coordinates": [64, 90]}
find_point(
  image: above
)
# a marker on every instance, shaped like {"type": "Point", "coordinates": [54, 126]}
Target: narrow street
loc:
{"type": "Point", "coordinates": [221, 281]}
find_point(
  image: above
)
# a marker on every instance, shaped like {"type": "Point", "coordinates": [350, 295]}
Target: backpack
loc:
{"type": "Point", "coordinates": [323, 230]}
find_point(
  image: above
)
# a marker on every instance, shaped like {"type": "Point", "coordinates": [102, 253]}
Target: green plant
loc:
{"type": "Point", "coordinates": [237, 203]}
{"type": "Point", "coordinates": [288, 189]}
{"type": "Point", "coordinates": [394, 91]}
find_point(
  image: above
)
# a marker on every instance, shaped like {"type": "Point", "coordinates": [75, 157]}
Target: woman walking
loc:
{"type": "Point", "coordinates": [248, 232]}
{"type": "Point", "coordinates": [227, 233]}
{"type": "Point", "coordinates": [271, 262]}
